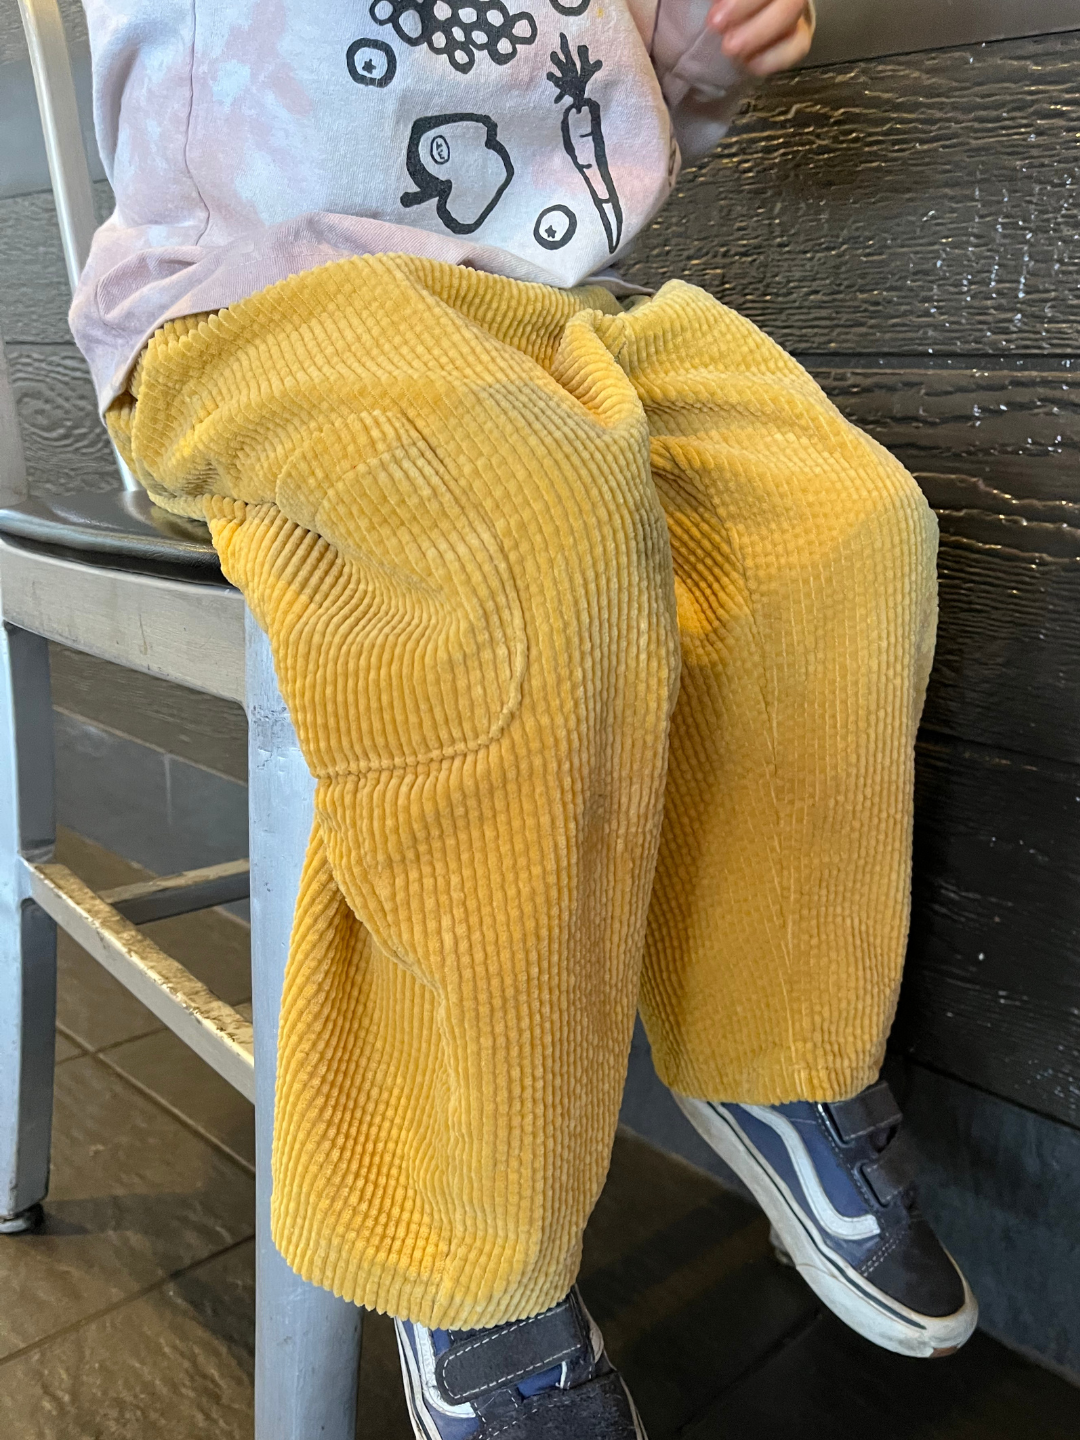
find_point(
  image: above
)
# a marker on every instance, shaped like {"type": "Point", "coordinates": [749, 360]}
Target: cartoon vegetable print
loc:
{"type": "Point", "coordinates": [583, 134]}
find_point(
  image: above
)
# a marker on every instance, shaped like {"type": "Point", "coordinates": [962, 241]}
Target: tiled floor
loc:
{"type": "Point", "coordinates": [129, 1317]}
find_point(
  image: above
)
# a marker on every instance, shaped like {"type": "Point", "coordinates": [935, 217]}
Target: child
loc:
{"type": "Point", "coordinates": [604, 635]}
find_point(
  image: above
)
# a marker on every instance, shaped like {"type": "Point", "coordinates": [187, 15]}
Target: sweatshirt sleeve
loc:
{"type": "Point", "coordinates": [703, 87]}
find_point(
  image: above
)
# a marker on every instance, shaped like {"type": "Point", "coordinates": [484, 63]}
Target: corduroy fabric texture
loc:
{"type": "Point", "coordinates": [485, 524]}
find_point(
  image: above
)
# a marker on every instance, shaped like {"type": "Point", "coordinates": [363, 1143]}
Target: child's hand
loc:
{"type": "Point", "coordinates": [763, 35]}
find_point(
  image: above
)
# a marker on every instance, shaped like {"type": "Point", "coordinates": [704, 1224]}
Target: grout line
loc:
{"type": "Point", "coordinates": [103, 1050]}
{"type": "Point", "coordinates": [146, 1290]}
{"type": "Point", "coordinates": [98, 1050]}
{"type": "Point", "coordinates": [72, 1039]}
{"type": "Point", "coordinates": [177, 1114]}
{"type": "Point", "coordinates": [107, 729]}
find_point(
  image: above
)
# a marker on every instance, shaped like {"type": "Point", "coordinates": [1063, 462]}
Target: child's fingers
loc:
{"type": "Point", "coordinates": [726, 14]}
{"type": "Point", "coordinates": [766, 27]}
{"type": "Point", "coordinates": [784, 54]}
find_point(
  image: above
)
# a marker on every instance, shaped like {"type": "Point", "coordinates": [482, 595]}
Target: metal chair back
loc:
{"type": "Point", "coordinates": [69, 168]}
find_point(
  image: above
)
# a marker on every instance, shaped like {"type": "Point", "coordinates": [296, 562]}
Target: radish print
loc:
{"type": "Point", "coordinates": [583, 134]}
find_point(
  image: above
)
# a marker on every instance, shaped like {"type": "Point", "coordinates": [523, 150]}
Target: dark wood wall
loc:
{"type": "Point", "coordinates": [910, 229]}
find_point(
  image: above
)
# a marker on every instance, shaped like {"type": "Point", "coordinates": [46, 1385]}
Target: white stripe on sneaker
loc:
{"type": "Point", "coordinates": [844, 1227]}
{"type": "Point", "coordinates": [423, 1426]}
{"type": "Point", "coordinates": [418, 1372]}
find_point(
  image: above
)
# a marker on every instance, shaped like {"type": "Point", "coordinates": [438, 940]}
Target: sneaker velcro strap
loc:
{"type": "Point", "coordinates": [871, 1109]}
{"type": "Point", "coordinates": [600, 1409]}
{"type": "Point", "coordinates": [894, 1171]}
{"type": "Point", "coordinates": [481, 1361]}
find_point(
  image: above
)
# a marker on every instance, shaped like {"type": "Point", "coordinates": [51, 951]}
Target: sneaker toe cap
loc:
{"type": "Point", "coordinates": [917, 1271]}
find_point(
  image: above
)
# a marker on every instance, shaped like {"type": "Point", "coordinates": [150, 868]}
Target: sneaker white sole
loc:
{"type": "Point", "coordinates": [866, 1309]}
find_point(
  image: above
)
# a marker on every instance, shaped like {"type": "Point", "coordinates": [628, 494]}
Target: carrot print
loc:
{"type": "Point", "coordinates": [583, 135]}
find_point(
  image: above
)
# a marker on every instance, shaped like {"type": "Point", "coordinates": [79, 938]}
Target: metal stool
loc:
{"type": "Point", "coordinates": [113, 576]}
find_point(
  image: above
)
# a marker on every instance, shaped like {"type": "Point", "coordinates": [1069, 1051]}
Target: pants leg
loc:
{"type": "Point", "coordinates": [444, 497]}
{"type": "Point", "coordinates": [805, 581]}
{"type": "Point", "coordinates": [433, 488]}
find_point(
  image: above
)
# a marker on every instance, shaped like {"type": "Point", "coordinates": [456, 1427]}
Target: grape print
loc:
{"type": "Point", "coordinates": [458, 28]}
{"type": "Point", "coordinates": [583, 135]}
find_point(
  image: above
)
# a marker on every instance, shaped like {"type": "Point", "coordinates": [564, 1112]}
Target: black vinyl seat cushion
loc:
{"type": "Point", "coordinates": [117, 530]}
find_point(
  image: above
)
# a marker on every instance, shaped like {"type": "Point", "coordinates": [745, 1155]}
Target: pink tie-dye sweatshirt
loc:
{"type": "Point", "coordinates": [247, 140]}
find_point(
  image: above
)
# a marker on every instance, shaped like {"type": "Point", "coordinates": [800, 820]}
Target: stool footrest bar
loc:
{"type": "Point", "coordinates": [214, 1030]}
{"type": "Point", "coordinates": [168, 895]}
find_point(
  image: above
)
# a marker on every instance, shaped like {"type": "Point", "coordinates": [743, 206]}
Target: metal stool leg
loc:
{"type": "Point", "coordinates": [307, 1342]}
{"type": "Point", "coordinates": [27, 935]}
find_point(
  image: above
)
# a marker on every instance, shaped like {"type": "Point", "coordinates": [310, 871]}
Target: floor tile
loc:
{"type": "Point", "coordinates": [134, 1196]}
{"type": "Point", "coordinates": [99, 867]}
{"type": "Point", "coordinates": [213, 946]}
{"type": "Point", "coordinates": [829, 1384]}
{"type": "Point", "coordinates": [167, 1068]}
{"type": "Point", "coordinates": [175, 1364]}
{"type": "Point", "coordinates": [91, 1007]}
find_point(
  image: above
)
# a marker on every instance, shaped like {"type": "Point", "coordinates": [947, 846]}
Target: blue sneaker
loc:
{"type": "Point", "coordinates": [545, 1378]}
{"type": "Point", "coordinates": [837, 1182]}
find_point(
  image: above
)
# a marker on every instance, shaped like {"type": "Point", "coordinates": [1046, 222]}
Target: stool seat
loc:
{"type": "Point", "coordinates": [116, 529]}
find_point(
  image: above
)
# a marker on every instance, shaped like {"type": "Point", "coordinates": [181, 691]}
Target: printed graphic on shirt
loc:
{"type": "Point", "coordinates": [371, 62]}
{"type": "Point", "coordinates": [458, 28]}
{"type": "Point", "coordinates": [555, 227]}
{"type": "Point", "coordinates": [583, 134]}
{"type": "Point", "coordinates": [578, 9]}
{"type": "Point", "coordinates": [459, 162]}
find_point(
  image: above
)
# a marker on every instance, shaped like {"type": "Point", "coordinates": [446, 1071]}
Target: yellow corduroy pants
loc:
{"type": "Point", "coordinates": [486, 525]}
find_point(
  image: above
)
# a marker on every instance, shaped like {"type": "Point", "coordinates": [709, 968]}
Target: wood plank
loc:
{"type": "Point", "coordinates": [856, 29]}
{"type": "Point", "coordinates": [181, 894]}
{"type": "Point", "coordinates": [24, 166]}
{"type": "Point", "coordinates": [191, 634]}
{"type": "Point", "coordinates": [997, 452]}
{"type": "Point", "coordinates": [34, 291]}
{"type": "Point", "coordinates": [1007, 666]}
{"type": "Point", "coordinates": [13, 482]}
{"type": "Point", "coordinates": [13, 42]}
{"type": "Point", "coordinates": [991, 992]}
{"type": "Point", "coordinates": [917, 205]}
{"type": "Point", "coordinates": [1014, 425]}
{"type": "Point", "coordinates": [66, 444]}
